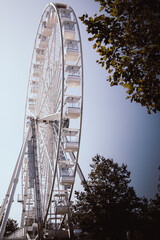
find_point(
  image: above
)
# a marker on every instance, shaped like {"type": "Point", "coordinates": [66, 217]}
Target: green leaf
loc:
{"type": "Point", "coordinates": [113, 84]}
{"type": "Point", "coordinates": [110, 70]}
{"type": "Point", "coordinates": [94, 46]}
{"type": "Point", "coordinates": [121, 83]}
{"type": "Point", "coordinates": [101, 8]}
{"type": "Point", "coordinates": [128, 97]}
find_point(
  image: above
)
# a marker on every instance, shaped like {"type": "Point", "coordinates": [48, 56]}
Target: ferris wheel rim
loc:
{"type": "Point", "coordinates": [59, 137]}
{"type": "Point", "coordinates": [62, 100]}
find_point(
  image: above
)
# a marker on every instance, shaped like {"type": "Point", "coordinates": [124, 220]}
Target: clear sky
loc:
{"type": "Point", "coordinates": [112, 126]}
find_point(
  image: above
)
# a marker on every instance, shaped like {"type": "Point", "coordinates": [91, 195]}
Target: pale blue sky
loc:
{"type": "Point", "coordinates": [112, 126]}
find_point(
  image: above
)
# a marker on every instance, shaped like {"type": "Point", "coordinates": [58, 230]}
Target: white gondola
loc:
{"type": "Point", "coordinates": [51, 19]}
{"type": "Point", "coordinates": [65, 14]}
{"type": "Point", "coordinates": [37, 70]}
{"type": "Point", "coordinates": [66, 165]}
{"type": "Point", "coordinates": [67, 180]}
{"type": "Point", "coordinates": [30, 229]}
{"type": "Point", "coordinates": [73, 81]}
{"type": "Point", "coordinates": [70, 132]}
{"type": "Point", "coordinates": [31, 104]}
{"type": "Point", "coordinates": [71, 50]}
{"type": "Point", "coordinates": [62, 210]}
{"type": "Point", "coordinates": [40, 54]}
{"type": "Point", "coordinates": [71, 99]}
{"type": "Point", "coordinates": [73, 78]}
{"type": "Point", "coordinates": [43, 41]}
{"type": "Point", "coordinates": [46, 31]}
{"type": "Point", "coordinates": [35, 226]}
{"type": "Point", "coordinates": [71, 146]}
{"type": "Point", "coordinates": [34, 86]}
{"type": "Point", "coordinates": [72, 112]}
{"type": "Point", "coordinates": [69, 30]}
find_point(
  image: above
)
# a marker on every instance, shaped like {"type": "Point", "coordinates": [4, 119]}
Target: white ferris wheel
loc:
{"type": "Point", "coordinates": [48, 159]}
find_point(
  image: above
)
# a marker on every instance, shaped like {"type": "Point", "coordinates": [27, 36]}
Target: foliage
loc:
{"type": "Point", "coordinates": [108, 207]}
{"type": "Point", "coordinates": [152, 222]}
{"type": "Point", "coordinates": [148, 224]}
{"type": "Point", "coordinates": [127, 37]}
{"type": "Point", "coordinates": [11, 227]}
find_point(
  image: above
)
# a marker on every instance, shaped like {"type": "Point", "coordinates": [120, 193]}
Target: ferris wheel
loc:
{"type": "Point", "coordinates": [52, 123]}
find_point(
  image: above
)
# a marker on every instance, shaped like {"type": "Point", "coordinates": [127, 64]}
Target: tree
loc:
{"type": "Point", "coordinates": [11, 227]}
{"type": "Point", "coordinates": [149, 219]}
{"type": "Point", "coordinates": [127, 37]}
{"type": "Point", "coordinates": [108, 207]}
{"type": "Point", "coordinates": [152, 217]}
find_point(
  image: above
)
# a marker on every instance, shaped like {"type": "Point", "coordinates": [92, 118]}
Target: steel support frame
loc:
{"type": "Point", "coordinates": [37, 185]}
{"type": "Point", "coordinates": [13, 184]}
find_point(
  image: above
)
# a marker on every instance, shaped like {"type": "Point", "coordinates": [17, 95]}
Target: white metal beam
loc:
{"type": "Point", "coordinates": [14, 183]}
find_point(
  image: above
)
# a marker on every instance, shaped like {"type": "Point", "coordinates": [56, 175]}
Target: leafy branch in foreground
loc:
{"type": "Point", "coordinates": [127, 37]}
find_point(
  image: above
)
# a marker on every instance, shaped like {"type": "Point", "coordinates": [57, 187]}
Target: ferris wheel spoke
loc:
{"type": "Point", "coordinates": [46, 95]}
{"type": "Point", "coordinates": [31, 114]}
{"type": "Point", "coordinates": [46, 151]}
{"type": "Point", "coordinates": [51, 117]}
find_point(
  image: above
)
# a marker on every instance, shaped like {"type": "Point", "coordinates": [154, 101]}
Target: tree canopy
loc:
{"type": "Point", "coordinates": [11, 227]}
{"type": "Point", "coordinates": [126, 35]}
{"type": "Point", "coordinates": [108, 207]}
